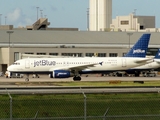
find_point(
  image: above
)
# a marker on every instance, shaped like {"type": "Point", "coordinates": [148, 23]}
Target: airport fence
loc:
{"type": "Point", "coordinates": [144, 106]}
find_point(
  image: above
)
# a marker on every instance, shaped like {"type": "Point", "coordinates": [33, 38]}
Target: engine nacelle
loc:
{"type": "Point", "coordinates": [61, 74]}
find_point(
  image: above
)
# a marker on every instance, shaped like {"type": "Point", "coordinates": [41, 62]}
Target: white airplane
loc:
{"type": "Point", "coordinates": [67, 67]}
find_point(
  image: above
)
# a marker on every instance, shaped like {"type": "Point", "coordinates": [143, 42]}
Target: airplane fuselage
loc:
{"type": "Point", "coordinates": [48, 65]}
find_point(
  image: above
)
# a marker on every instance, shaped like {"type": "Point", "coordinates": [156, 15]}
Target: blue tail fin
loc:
{"type": "Point", "coordinates": [157, 56]}
{"type": "Point", "coordinates": [140, 48]}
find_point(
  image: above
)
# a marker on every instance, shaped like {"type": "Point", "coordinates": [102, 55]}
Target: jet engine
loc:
{"type": "Point", "coordinates": [60, 74]}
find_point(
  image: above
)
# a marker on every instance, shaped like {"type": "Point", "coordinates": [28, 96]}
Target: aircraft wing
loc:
{"type": "Point", "coordinates": [76, 67]}
{"type": "Point", "coordinates": [147, 60]}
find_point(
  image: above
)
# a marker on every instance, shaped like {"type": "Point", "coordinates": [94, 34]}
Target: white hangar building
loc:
{"type": "Point", "coordinates": [68, 43]}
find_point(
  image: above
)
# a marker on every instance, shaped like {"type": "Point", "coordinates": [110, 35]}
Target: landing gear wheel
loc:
{"type": "Point", "coordinates": [77, 78]}
{"type": "Point", "coordinates": [50, 76]}
{"type": "Point", "coordinates": [137, 74]}
{"type": "Point", "coordinates": [27, 79]}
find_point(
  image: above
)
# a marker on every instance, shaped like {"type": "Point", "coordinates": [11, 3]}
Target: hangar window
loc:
{"type": "Point", "coordinates": [16, 56]}
{"type": "Point", "coordinates": [72, 54]}
{"type": "Point", "coordinates": [113, 54]}
{"type": "Point", "coordinates": [101, 54]}
{"type": "Point", "coordinates": [16, 63]}
{"type": "Point", "coordinates": [41, 53]}
{"type": "Point", "coordinates": [28, 53]}
{"type": "Point", "coordinates": [124, 54]}
{"type": "Point", "coordinates": [124, 22]}
{"type": "Point", "coordinates": [152, 51]}
{"type": "Point", "coordinates": [78, 54]}
{"type": "Point", "coordinates": [64, 54]}
{"type": "Point", "coordinates": [141, 27]}
{"type": "Point", "coordinates": [54, 54]}
{"type": "Point", "coordinates": [89, 54]}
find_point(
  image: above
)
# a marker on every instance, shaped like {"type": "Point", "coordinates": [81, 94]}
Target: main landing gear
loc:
{"type": "Point", "coordinates": [27, 79]}
{"type": "Point", "coordinates": [77, 78]}
{"type": "Point", "coordinates": [76, 75]}
{"type": "Point", "coordinates": [137, 74]}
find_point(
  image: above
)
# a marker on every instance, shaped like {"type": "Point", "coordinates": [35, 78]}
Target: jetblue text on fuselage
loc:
{"type": "Point", "coordinates": [138, 51]}
{"type": "Point", "coordinates": [44, 63]}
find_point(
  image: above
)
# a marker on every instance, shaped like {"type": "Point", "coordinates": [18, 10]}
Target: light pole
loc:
{"type": "Point", "coordinates": [88, 19]}
{"type": "Point", "coordinates": [129, 34]}
{"type": "Point", "coordinates": [0, 18]}
{"type": "Point", "coordinates": [37, 12]}
{"type": "Point", "coordinates": [9, 33]}
{"type": "Point", "coordinates": [135, 18]}
{"type": "Point", "coordinates": [41, 14]}
{"type": "Point", "coordinates": [5, 19]}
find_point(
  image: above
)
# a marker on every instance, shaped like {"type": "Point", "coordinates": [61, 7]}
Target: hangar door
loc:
{"type": "Point", "coordinates": [4, 68]}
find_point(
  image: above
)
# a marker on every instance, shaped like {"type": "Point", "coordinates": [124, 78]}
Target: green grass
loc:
{"type": "Point", "coordinates": [71, 105]}
{"type": "Point", "coordinates": [96, 83]}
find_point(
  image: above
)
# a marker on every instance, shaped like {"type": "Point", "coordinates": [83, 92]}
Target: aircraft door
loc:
{"type": "Point", "coordinates": [124, 64]}
{"type": "Point", "coordinates": [27, 64]}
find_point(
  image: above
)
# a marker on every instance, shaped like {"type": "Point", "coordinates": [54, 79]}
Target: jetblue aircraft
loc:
{"type": "Point", "coordinates": [147, 67]}
{"type": "Point", "coordinates": [67, 67]}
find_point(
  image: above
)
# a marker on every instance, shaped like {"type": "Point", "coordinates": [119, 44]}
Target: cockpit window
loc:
{"type": "Point", "coordinates": [16, 63]}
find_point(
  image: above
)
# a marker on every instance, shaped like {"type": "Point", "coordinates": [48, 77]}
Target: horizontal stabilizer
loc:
{"type": "Point", "coordinates": [157, 60]}
{"type": "Point", "coordinates": [146, 60]}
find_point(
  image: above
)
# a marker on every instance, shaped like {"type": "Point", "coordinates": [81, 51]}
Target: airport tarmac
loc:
{"type": "Point", "coordinates": [17, 83]}
{"type": "Point", "coordinates": [45, 78]}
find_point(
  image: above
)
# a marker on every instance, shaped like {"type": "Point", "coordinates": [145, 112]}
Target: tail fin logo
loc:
{"type": "Point", "coordinates": [138, 51]}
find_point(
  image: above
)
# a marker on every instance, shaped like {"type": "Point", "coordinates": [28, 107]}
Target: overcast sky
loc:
{"type": "Point", "coordinates": [69, 13]}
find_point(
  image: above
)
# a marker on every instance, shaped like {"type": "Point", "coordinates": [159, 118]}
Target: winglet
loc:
{"type": "Point", "coordinates": [140, 48]}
